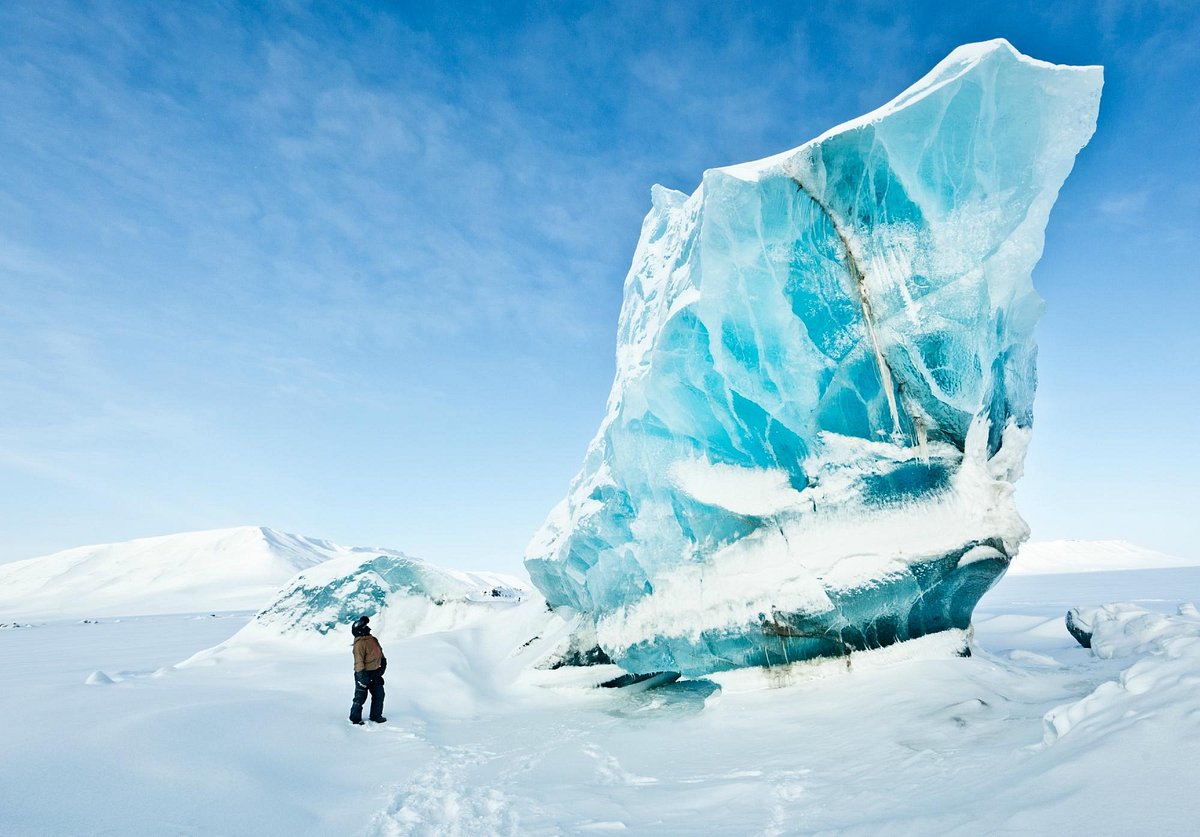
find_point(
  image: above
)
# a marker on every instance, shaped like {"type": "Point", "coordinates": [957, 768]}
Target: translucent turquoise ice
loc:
{"type": "Point", "coordinates": [813, 348]}
{"type": "Point", "coordinates": [366, 587]}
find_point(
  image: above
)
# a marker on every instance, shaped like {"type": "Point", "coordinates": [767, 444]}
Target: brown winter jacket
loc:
{"type": "Point", "coordinates": [368, 653]}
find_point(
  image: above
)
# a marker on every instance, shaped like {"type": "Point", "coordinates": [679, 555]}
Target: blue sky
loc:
{"type": "Point", "coordinates": [354, 271]}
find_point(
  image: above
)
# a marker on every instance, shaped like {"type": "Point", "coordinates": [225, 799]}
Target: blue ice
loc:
{"type": "Point", "coordinates": [825, 378]}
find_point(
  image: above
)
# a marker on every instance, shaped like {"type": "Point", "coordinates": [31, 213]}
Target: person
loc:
{"type": "Point", "coordinates": [369, 665]}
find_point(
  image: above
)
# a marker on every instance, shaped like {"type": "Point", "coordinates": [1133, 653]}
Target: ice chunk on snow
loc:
{"type": "Point", "coordinates": [403, 596]}
{"type": "Point", "coordinates": [1163, 678]}
{"type": "Point", "coordinates": [825, 379]}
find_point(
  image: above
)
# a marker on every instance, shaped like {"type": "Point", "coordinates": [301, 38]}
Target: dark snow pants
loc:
{"type": "Point", "coordinates": [367, 681]}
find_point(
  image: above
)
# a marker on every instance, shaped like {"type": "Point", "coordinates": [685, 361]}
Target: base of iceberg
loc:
{"type": "Point", "coordinates": [921, 598]}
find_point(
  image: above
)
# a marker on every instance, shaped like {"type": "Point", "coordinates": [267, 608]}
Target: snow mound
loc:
{"type": "Point", "coordinates": [1161, 681]}
{"type": "Point", "coordinates": [1069, 556]}
{"type": "Point", "coordinates": [221, 569]}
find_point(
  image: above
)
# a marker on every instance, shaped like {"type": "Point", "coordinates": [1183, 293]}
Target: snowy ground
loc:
{"type": "Point", "coordinates": [252, 739]}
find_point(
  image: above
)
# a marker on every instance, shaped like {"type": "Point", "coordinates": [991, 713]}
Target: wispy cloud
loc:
{"type": "Point", "coordinates": [234, 234]}
{"type": "Point", "coordinates": [1126, 206]}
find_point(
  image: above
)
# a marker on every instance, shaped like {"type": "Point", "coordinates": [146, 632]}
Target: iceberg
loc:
{"type": "Point", "coordinates": [404, 596]}
{"type": "Point", "coordinates": [824, 385]}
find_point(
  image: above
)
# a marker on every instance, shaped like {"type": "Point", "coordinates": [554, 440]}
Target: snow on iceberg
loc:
{"type": "Point", "coordinates": [825, 380]}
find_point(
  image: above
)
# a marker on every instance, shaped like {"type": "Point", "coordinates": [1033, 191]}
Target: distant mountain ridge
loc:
{"type": "Point", "coordinates": [220, 569]}
{"type": "Point", "coordinates": [1071, 556]}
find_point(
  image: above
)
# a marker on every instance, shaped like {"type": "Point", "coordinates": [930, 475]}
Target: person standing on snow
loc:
{"type": "Point", "coordinates": [369, 665]}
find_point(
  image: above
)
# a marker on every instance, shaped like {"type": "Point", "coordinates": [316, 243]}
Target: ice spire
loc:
{"type": "Point", "coordinates": [825, 379]}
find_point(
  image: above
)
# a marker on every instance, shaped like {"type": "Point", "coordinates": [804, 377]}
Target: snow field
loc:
{"type": "Point", "coordinates": [251, 737]}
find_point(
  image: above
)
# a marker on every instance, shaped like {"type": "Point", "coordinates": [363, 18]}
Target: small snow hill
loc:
{"type": "Point", "coordinates": [1066, 556]}
{"type": "Point", "coordinates": [222, 569]}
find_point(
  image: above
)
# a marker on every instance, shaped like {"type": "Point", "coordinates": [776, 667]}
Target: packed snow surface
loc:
{"type": "Point", "coordinates": [222, 569]}
{"type": "Point", "coordinates": [104, 731]}
{"type": "Point", "coordinates": [825, 381]}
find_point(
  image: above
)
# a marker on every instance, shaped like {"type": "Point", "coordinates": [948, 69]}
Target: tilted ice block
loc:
{"type": "Point", "coordinates": [402, 595]}
{"type": "Point", "coordinates": [825, 379]}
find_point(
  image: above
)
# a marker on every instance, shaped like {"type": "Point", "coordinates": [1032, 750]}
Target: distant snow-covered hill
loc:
{"type": "Point", "coordinates": [1066, 556]}
{"type": "Point", "coordinates": [222, 569]}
